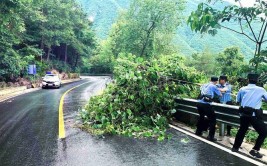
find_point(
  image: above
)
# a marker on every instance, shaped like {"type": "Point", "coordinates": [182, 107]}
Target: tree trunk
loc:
{"type": "Point", "coordinates": [42, 41]}
{"type": "Point", "coordinates": [48, 53]}
{"type": "Point", "coordinates": [42, 48]}
{"type": "Point", "coordinates": [257, 56]}
{"type": "Point", "coordinates": [149, 31]}
{"type": "Point", "coordinates": [66, 54]}
{"type": "Point", "coordinates": [259, 44]}
{"type": "Point", "coordinates": [76, 62]}
{"type": "Point", "coordinates": [145, 44]}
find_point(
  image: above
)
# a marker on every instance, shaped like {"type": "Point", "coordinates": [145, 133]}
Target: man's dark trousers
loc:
{"type": "Point", "coordinates": [206, 110]}
{"type": "Point", "coordinates": [257, 124]}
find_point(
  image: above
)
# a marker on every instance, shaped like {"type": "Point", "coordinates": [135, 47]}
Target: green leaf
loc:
{"type": "Point", "coordinates": [185, 140]}
{"type": "Point", "coordinates": [161, 138]}
{"type": "Point", "coordinates": [129, 112]}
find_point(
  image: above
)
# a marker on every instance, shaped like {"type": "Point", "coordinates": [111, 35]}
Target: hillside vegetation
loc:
{"type": "Point", "coordinates": [52, 34]}
{"type": "Point", "coordinates": [105, 13]}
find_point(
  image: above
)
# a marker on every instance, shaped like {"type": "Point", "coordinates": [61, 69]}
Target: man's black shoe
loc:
{"type": "Point", "coordinates": [212, 139]}
{"type": "Point", "coordinates": [198, 133]}
{"type": "Point", "coordinates": [234, 150]}
{"type": "Point", "coordinates": [255, 153]}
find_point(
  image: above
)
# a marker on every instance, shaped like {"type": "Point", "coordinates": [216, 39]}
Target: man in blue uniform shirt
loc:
{"type": "Point", "coordinates": [226, 90]}
{"type": "Point", "coordinates": [226, 98]}
{"type": "Point", "coordinates": [208, 92]}
{"type": "Point", "coordinates": [250, 98]}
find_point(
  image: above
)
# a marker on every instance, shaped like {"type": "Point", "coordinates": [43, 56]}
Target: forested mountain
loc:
{"type": "Point", "coordinates": [48, 33]}
{"type": "Point", "coordinates": [105, 13]}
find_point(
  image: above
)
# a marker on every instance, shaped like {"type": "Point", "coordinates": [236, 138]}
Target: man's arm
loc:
{"type": "Point", "coordinates": [217, 91]}
{"type": "Point", "coordinates": [226, 89]}
{"type": "Point", "coordinates": [265, 96]}
{"type": "Point", "coordinates": [223, 90]}
{"type": "Point", "coordinates": [238, 97]}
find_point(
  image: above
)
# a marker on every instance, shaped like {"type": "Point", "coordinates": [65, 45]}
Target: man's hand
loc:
{"type": "Point", "coordinates": [223, 90]}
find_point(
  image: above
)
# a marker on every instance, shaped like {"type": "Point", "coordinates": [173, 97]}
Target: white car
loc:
{"type": "Point", "coordinates": [51, 80]}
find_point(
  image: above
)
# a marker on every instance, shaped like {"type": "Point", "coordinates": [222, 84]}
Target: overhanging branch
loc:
{"type": "Point", "coordinates": [241, 26]}
{"type": "Point", "coordinates": [248, 23]}
{"type": "Point", "coordinates": [242, 33]}
{"type": "Point", "coordinates": [261, 29]}
{"type": "Point", "coordinates": [263, 33]}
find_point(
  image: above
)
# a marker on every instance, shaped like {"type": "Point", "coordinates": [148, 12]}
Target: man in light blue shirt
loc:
{"type": "Point", "coordinates": [250, 98]}
{"type": "Point", "coordinates": [208, 92]}
{"type": "Point", "coordinates": [226, 90]}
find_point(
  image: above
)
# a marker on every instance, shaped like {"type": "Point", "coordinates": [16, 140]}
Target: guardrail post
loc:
{"type": "Point", "coordinates": [221, 129]}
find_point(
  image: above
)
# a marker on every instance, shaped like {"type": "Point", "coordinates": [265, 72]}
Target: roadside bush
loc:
{"type": "Point", "coordinates": [73, 75]}
{"type": "Point", "coordinates": [3, 85]}
{"type": "Point", "coordinates": [59, 65]}
{"type": "Point", "coordinates": [140, 101]}
{"type": "Point", "coordinates": [101, 64]}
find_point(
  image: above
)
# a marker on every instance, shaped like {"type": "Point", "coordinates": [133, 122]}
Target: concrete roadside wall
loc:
{"type": "Point", "coordinates": [12, 90]}
{"type": "Point", "coordinates": [8, 93]}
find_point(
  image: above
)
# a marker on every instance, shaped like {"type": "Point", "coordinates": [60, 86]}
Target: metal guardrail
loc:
{"type": "Point", "coordinates": [225, 114]}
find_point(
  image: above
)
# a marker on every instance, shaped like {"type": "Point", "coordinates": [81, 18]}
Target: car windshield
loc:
{"type": "Point", "coordinates": [50, 76]}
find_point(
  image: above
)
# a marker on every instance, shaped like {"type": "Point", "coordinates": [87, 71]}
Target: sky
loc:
{"type": "Point", "coordinates": [245, 3]}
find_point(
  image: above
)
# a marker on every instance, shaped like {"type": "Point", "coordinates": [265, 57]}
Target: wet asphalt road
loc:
{"type": "Point", "coordinates": [29, 136]}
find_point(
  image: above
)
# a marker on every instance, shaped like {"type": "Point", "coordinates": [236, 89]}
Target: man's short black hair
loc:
{"type": "Point", "coordinates": [223, 78]}
{"type": "Point", "coordinates": [214, 79]}
{"type": "Point", "coordinates": [253, 78]}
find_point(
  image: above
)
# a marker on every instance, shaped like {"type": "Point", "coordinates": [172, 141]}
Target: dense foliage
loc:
{"type": "Point", "coordinates": [42, 32]}
{"type": "Point", "coordinates": [207, 19]}
{"type": "Point", "coordinates": [140, 101]}
{"type": "Point", "coordinates": [103, 62]}
{"type": "Point", "coordinates": [188, 42]}
{"type": "Point", "coordinates": [146, 27]}
{"type": "Point", "coordinates": [230, 62]}
{"type": "Point", "coordinates": [145, 30]}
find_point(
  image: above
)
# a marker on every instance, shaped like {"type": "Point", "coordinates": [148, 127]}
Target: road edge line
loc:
{"type": "Point", "coordinates": [217, 146]}
{"type": "Point", "coordinates": [61, 124]}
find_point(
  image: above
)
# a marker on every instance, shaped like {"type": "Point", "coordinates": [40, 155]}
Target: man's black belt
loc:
{"type": "Point", "coordinates": [206, 98]}
{"type": "Point", "coordinates": [248, 111]}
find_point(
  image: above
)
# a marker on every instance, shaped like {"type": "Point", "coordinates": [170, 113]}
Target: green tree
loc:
{"type": "Point", "coordinates": [207, 19]}
{"type": "Point", "coordinates": [204, 62]}
{"type": "Point", "coordinates": [231, 62]}
{"type": "Point", "coordinates": [147, 27]}
{"type": "Point", "coordinates": [140, 102]}
{"type": "Point", "coordinates": [104, 61]}
{"type": "Point", "coordinates": [47, 31]}
{"type": "Point", "coordinates": [12, 29]}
